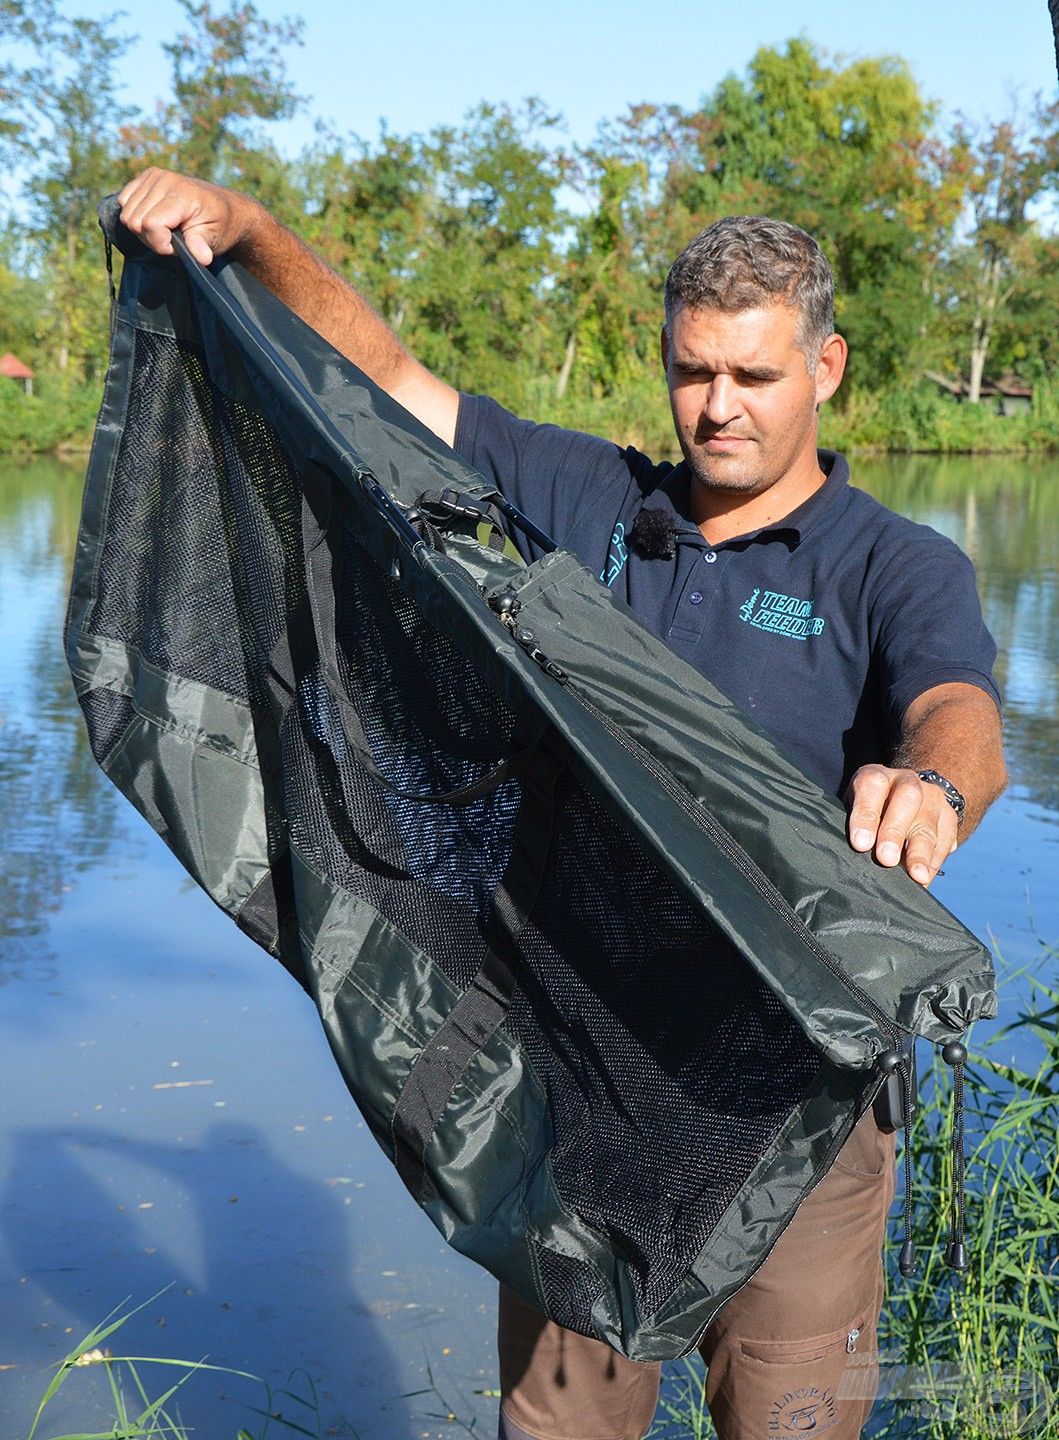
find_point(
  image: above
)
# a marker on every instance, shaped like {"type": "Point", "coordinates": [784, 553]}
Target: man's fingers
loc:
{"type": "Point", "coordinates": [901, 819]}
{"type": "Point", "coordinates": [901, 811]}
{"type": "Point", "coordinates": [869, 793]}
{"type": "Point", "coordinates": [921, 855]}
{"type": "Point", "coordinates": [157, 202]}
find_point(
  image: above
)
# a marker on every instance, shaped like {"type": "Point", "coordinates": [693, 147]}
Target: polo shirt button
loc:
{"type": "Point", "coordinates": [709, 557]}
{"type": "Point", "coordinates": [696, 597]}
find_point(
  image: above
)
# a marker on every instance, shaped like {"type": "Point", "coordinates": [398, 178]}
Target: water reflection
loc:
{"type": "Point", "coordinates": [1004, 512]}
{"type": "Point", "coordinates": [57, 815]}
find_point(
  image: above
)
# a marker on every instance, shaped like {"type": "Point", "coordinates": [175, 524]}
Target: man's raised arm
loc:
{"type": "Point", "coordinates": [215, 221]}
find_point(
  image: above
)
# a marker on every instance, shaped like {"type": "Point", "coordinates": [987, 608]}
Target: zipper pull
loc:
{"type": "Point", "coordinates": [507, 605]}
{"type": "Point", "coordinates": [851, 1341]}
{"type": "Point", "coordinates": [528, 641]}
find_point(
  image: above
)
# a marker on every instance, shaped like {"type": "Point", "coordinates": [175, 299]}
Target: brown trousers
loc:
{"type": "Point", "coordinates": [776, 1355]}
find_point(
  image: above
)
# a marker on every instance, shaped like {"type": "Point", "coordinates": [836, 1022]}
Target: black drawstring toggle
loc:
{"type": "Point", "coordinates": [955, 1054]}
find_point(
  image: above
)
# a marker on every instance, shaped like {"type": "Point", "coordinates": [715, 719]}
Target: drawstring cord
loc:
{"type": "Point", "coordinates": [892, 1062]}
{"type": "Point", "coordinates": [907, 1260]}
{"type": "Point", "coordinates": [108, 253]}
{"type": "Point", "coordinates": [903, 1066]}
{"type": "Point", "coordinates": [955, 1055]}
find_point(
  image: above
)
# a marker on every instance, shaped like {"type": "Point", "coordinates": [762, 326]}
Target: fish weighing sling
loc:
{"type": "Point", "coordinates": [596, 961]}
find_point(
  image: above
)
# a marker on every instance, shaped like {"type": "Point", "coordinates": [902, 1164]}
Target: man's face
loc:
{"type": "Point", "coordinates": [744, 404]}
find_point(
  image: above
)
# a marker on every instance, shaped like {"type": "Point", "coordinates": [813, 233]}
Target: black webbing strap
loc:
{"type": "Point", "coordinates": [482, 1006]}
{"type": "Point", "coordinates": [323, 560]}
{"type": "Point", "coordinates": [444, 506]}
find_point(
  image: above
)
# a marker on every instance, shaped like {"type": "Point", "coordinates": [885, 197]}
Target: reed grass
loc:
{"type": "Point", "coordinates": [139, 1416]}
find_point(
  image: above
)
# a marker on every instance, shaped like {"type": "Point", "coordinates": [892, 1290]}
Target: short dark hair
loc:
{"type": "Point", "coordinates": [744, 261]}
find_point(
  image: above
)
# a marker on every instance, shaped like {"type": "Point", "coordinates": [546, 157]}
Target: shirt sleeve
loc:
{"type": "Point", "coordinates": [929, 623]}
{"type": "Point", "coordinates": [570, 484]}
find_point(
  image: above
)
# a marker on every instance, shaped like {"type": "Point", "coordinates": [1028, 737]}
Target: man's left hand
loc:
{"type": "Point", "coordinates": [902, 819]}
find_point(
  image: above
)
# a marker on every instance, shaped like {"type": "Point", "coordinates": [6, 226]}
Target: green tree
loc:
{"type": "Point", "coordinates": [609, 299]}
{"type": "Point", "coordinates": [59, 124]}
{"type": "Point", "coordinates": [847, 151]}
{"type": "Point", "coordinates": [367, 212]}
{"type": "Point", "coordinates": [1014, 164]}
{"type": "Point", "coordinates": [478, 306]}
{"type": "Point", "coordinates": [229, 75]}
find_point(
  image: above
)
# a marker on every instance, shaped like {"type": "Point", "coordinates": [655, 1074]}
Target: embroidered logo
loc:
{"type": "Point", "coordinates": [616, 556]}
{"type": "Point", "coordinates": [782, 614]}
{"type": "Point", "coordinates": [807, 1411]}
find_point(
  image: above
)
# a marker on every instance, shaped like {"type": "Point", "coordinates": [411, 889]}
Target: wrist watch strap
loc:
{"type": "Point", "coordinates": [952, 795]}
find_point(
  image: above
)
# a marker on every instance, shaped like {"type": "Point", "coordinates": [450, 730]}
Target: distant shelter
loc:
{"type": "Point", "coordinates": [13, 368]}
{"type": "Point", "coordinates": [1010, 395]}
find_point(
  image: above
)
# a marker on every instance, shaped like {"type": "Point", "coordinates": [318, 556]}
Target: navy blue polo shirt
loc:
{"type": "Point", "coordinates": [823, 626]}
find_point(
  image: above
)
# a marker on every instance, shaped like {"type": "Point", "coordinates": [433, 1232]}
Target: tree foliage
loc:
{"type": "Point", "coordinates": [60, 120]}
{"type": "Point", "coordinates": [513, 264]}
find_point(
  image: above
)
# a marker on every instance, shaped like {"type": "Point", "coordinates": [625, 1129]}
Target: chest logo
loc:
{"type": "Point", "coordinates": [617, 555]}
{"type": "Point", "coordinates": [781, 614]}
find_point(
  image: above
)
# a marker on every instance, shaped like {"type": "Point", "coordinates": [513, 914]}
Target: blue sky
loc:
{"type": "Point", "coordinates": [416, 65]}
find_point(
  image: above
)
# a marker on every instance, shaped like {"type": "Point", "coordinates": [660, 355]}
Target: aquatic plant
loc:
{"type": "Point", "coordinates": [138, 1416]}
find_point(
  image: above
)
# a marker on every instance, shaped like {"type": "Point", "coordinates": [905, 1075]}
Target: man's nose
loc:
{"type": "Point", "coordinates": [722, 400]}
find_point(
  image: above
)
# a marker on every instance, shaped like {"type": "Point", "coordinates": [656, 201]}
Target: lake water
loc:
{"type": "Point", "coordinates": [171, 1118]}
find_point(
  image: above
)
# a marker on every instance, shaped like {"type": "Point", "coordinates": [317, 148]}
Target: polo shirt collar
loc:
{"type": "Point", "coordinates": [672, 498]}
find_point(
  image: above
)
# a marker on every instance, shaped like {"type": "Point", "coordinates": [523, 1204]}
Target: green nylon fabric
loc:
{"type": "Point", "coordinates": [858, 957]}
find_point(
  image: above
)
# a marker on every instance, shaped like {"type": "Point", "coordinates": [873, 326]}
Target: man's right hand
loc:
{"type": "Point", "coordinates": [213, 220]}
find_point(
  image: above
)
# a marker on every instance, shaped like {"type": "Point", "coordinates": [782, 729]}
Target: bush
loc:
{"type": "Point", "coordinates": [58, 416]}
{"type": "Point", "coordinates": [919, 419]}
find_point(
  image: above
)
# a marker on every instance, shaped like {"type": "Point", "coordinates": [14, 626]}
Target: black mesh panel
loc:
{"type": "Point", "coordinates": [570, 1287]}
{"type": "Point", "coordinates": [106, 715]}
{"type": "Point", "coordinates": [432, 728]}
{"type": "Point", "coordinates": [668, 1065]}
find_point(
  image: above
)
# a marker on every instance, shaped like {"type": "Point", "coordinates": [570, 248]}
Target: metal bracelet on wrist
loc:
{"type": "Point", "coordinates": [948, 789]}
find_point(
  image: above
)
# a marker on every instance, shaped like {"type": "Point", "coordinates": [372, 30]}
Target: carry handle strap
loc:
{"type": "Point", "coordinates": [321, 592]}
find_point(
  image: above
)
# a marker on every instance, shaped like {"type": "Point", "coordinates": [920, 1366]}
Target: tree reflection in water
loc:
{"type": "Point", "coordinates": [59, 817]}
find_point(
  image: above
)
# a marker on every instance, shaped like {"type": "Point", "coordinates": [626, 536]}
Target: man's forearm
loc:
{"type": "Point", "coordinates": [309, 287]}
{"type": "Point", "coordinates": [956, 730]}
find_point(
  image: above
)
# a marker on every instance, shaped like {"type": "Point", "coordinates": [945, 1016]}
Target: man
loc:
{"type": "Point", "coordinates": [851, 635]}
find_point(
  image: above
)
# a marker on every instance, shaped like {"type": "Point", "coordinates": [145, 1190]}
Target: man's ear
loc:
{"type": "Point", "coordinates": [830, 367]}
{"type": "Point", "coordinates": [663, 345]}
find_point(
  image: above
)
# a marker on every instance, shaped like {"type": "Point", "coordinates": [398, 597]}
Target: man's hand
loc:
{"type": "Point", "coordinates": [213, 220]}
{"type": "Point", "coordinates": [954, 729]}
{"type": "Point", "coordinates": [901, 817]}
